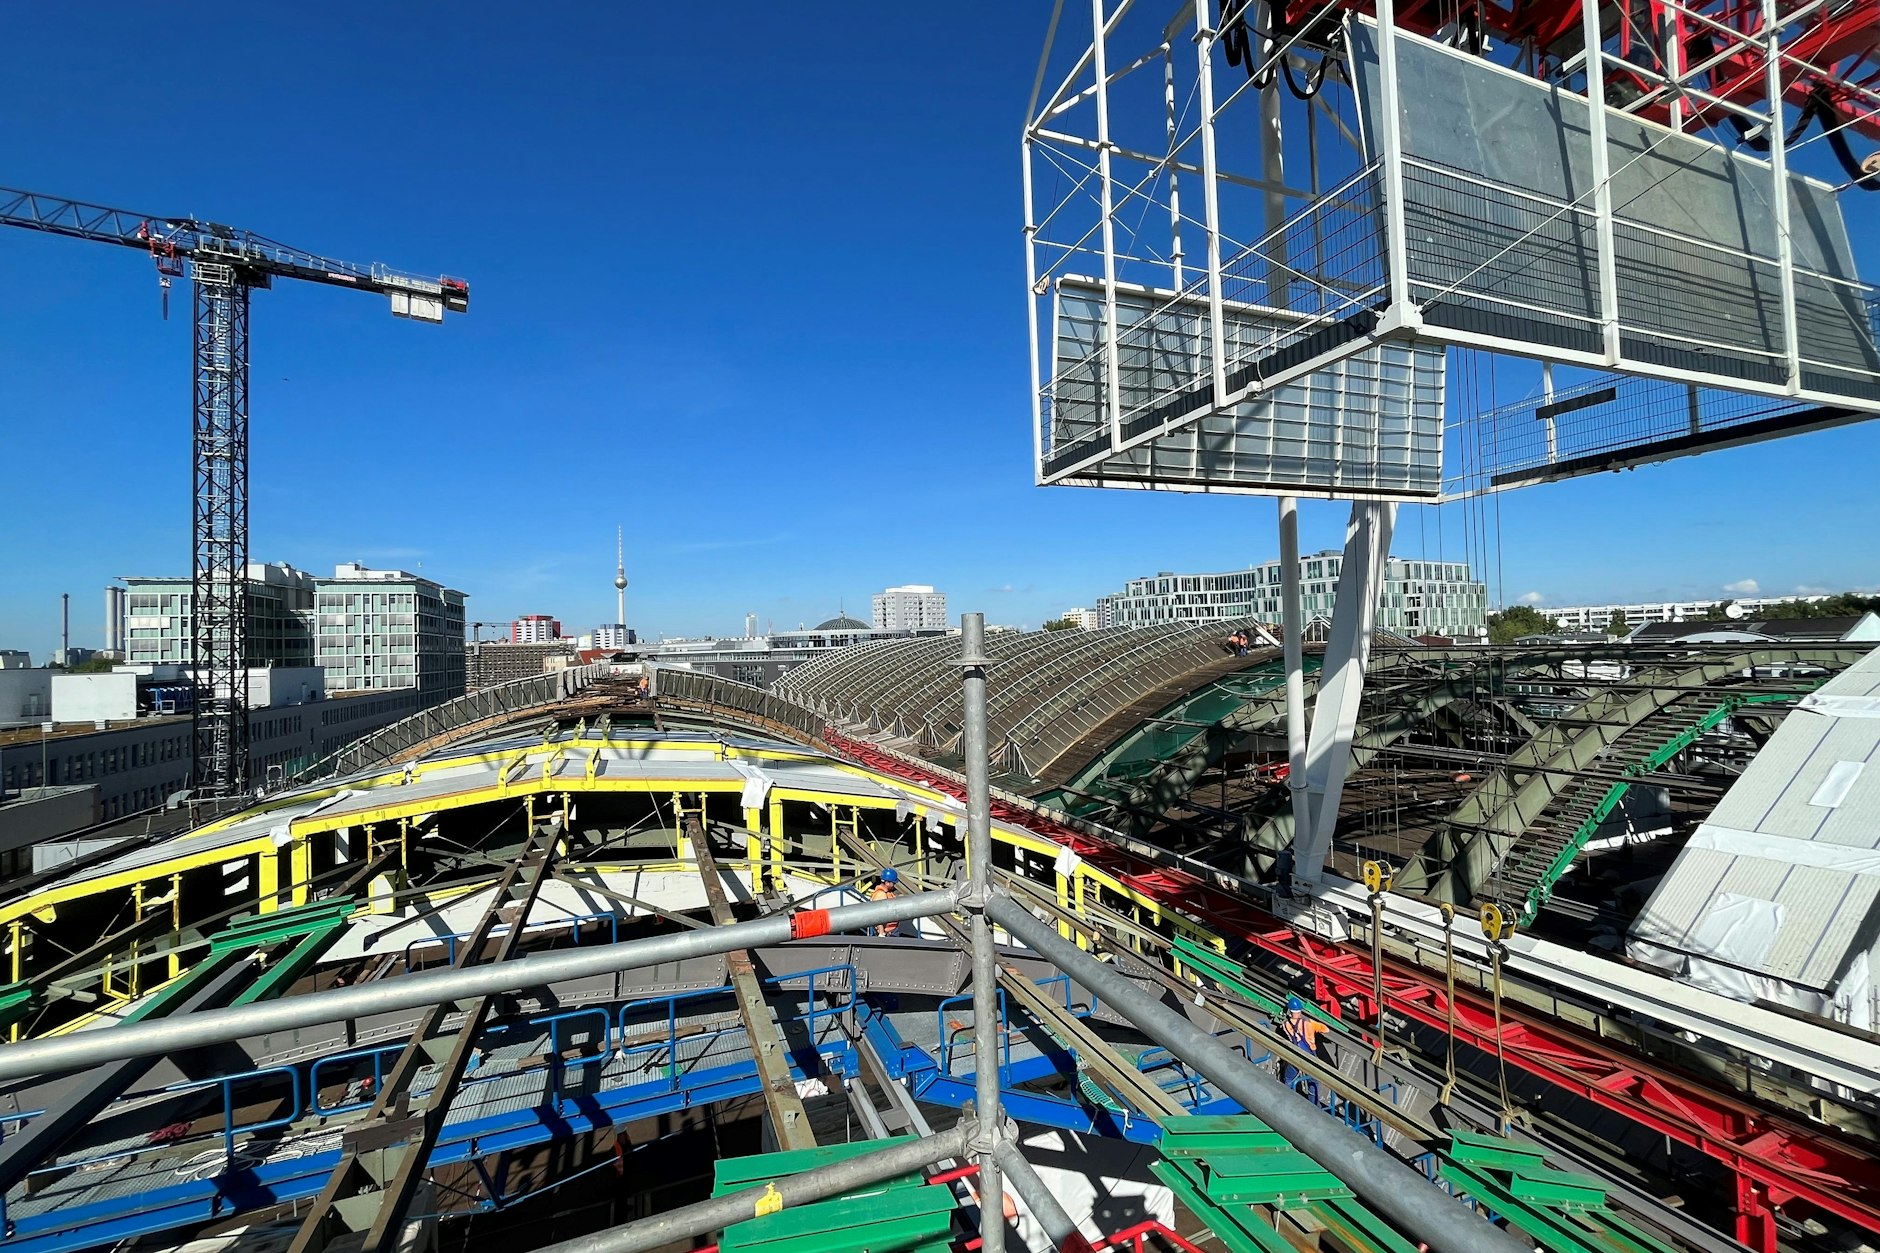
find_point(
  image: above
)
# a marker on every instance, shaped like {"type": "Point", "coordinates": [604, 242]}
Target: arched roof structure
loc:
{"type": "Point", "coordinates": [1047, 690]}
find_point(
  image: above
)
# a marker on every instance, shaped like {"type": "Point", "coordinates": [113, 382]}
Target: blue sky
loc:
{"type": "Point", "coordinates": [751, 288]}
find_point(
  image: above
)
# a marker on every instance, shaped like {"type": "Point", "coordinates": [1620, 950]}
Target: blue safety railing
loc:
{"type": "Point", "coordinates": [949, 1036]}
{"type": "Point", "coordinates": [1431, 1164]}
{"type": "Point", "coordinates": [617, 1027]}
{"type": "Point", "coordinates": [1199, 1092]}
{"type": "Point", "coordinates": [377, 1055]}
{"type": "Point", "coordinates": [303, 1082]}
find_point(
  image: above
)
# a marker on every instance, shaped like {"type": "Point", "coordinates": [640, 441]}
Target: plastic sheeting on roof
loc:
{"type": "Point", "coordinates": [1777, 896]}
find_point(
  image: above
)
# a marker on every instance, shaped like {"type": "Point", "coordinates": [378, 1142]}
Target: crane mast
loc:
{"type": "Point", "coordinates": [224, 266]}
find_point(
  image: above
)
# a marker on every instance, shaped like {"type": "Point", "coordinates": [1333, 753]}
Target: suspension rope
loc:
{"type": "Point", "coordinates": [1497, 927]}
{"type": "Point", "coordinates": [1449, 1002]}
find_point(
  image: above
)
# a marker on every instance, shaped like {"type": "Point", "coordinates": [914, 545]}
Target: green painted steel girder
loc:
{"type": "Point", "coordinates": [1461, 859]}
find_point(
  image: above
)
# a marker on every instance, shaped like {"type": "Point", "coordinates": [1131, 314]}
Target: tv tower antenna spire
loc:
{"type": "Point", "coordinates": [620, 575]}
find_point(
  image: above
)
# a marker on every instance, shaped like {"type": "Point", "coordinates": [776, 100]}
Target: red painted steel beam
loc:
{"type": "Point", "coordinates": [1783, 1160]}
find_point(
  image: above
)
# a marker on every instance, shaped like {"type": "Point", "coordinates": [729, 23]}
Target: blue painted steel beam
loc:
{"type": "Point", "coordinates": [247, 1188]}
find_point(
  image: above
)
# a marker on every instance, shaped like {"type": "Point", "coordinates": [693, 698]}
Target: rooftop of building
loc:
{"type": "Point", "coordinates": [1790, 630]}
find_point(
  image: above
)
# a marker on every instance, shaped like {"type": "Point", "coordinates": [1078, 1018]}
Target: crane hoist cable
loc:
{"type": "Point", "coordinates": [1497, 926]}
{"type": "Point", "coordinates": [1449, 1002]}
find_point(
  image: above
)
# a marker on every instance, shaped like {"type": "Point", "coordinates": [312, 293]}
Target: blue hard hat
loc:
{"type": "Point", "coordinates": [1294, 1005]}
{"type": "Point", "coordinates": [890, 875]}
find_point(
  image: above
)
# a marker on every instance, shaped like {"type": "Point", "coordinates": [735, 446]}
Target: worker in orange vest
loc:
{"type": "Point", "coordinates": [887, 890]}
{"type": "Point", "coordinates": [1303, 1032]}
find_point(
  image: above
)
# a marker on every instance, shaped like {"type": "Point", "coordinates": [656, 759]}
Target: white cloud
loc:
{"type": "Point", "coordinates": [1808, 589]}
{"type": "Point", "coordinates": [1531, 598]}
{"type": "Point", "coordinates": [1743, 587]}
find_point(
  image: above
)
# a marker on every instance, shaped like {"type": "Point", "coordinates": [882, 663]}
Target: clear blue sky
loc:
{"type": "Point", "coordinates": [750, 286]}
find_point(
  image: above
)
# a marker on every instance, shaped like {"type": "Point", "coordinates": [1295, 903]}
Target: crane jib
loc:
{"type": "Point", "coordinates": [226, 264]}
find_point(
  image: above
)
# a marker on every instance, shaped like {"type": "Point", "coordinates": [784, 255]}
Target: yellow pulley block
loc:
{"type": "Point", "coordinates": [1376, 876]}
{"type": "Point", "coordinates": [1496, 925]}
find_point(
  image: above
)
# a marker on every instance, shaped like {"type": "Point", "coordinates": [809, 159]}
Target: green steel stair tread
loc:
{"type": "Point", "coordinates": [1359, 1228]}
{"type": "Point", "coordinates": [1285, 1191]}
{"type": "Point", "coordinates": [1241, 1165]}
{"type": "Point", "coordinates": [896, 1219]}
{"type": "Point", "coordinates": [1284, 1179]}
{"type": "Point", "coordinates": [757, 1169]}
{"type": "Point", "coordinates": [1554, 1230]}
{"type": "Point", "coordinates": [1558, 1188]}
{"type": "Point", "coordinates": [16, 999]}
{"type": "Point", "coordinates": [1237, 1228]}
{"type": "Point", "coordinates": [1477, 1148]}
{"type": "Point", "coordinates": [1223, 1134]}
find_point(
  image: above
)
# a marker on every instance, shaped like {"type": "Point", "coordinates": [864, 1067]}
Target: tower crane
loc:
{"type": "Point", "coordinates": [223, 266]}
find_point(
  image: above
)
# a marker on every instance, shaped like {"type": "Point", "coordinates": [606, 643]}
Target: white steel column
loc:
{"type": "Point", "coordinates": [1112, 365]}
{"type": "Point", "coordinates": [1779, 192]}
{"type": "Point", "coordinates": [1273, 170]}
{"type": "Point", "coordinates": [1032, 296]}
{"type": "Point", "coordinates": [1292, 629]}
{"type": "Point", "coordinates": [1390, 144]}
{"type": "Point", "coordinates": [1341, 682]}
{"type": "Point", "coordinates": [1595, 59]}
{"type": "Point", "coordinates": [1673, 53]}
{"type": "Point", "coordinates": [1205, 34]}
{"type": "Point", "coordinates": [1174, 179]}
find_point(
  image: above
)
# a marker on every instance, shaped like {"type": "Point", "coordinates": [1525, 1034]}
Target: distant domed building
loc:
{"type": "Point", "coordinates": [842, 622]}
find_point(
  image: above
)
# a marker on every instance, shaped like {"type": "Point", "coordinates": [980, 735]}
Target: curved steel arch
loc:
{"type": "Point", "coordinates": [943, 715]}
{"type": "Point", "coordinates": [1061, 721]}
{"type": "Point", "coordinates": [1071, 683]}
{"type": "Point", "coordinates": [911, 701]}
{"type": "Point", "coordinates": [816, 680]}
{"type": "Point", "coordinates": [867, 690]}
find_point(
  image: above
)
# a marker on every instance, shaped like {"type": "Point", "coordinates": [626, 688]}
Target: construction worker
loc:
{"type": "Point", "coordinates": [1303, 1032]}
{"type": "Point", "coordinates": [887, 890]}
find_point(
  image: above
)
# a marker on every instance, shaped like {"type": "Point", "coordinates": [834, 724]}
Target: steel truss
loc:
{"type": "Point", "coordinates": [218, 607]}
{"type": "Point", "coordinates": [386, 1156]}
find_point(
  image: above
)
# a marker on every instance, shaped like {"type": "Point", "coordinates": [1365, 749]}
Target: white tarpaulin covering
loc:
{"type": "Point", "coordinates": [1777, 897]}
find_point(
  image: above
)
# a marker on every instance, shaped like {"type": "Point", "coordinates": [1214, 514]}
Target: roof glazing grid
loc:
{"type": "Point", "coordinates": [1012, 703]}
{"type": "Point", "coordinates": [1066, 715]}
{"type": "Point", "coordinates": [820, 675]}
{"type": "Point", "coordinates": [1022, 664]}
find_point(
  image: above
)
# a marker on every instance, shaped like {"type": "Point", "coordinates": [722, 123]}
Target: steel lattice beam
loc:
{"type": "Point", "coordinates": [769, 1052]}
{"type": "Point", "coordinates": [388, 1150]}
{"type": "Point", "coordinates": [218, 610]}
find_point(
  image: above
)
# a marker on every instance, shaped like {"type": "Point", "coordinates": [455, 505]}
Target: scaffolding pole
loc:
{"type": "Point", "coordinates": [662, 1230]}
{"type": "Point", "coordinates": [184, 1031]}
{"type": "Point", "coordinates": [974, 899]}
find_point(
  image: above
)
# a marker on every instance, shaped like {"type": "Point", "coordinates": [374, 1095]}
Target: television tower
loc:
{"type": "Point", "coordinates": [620, 577]}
